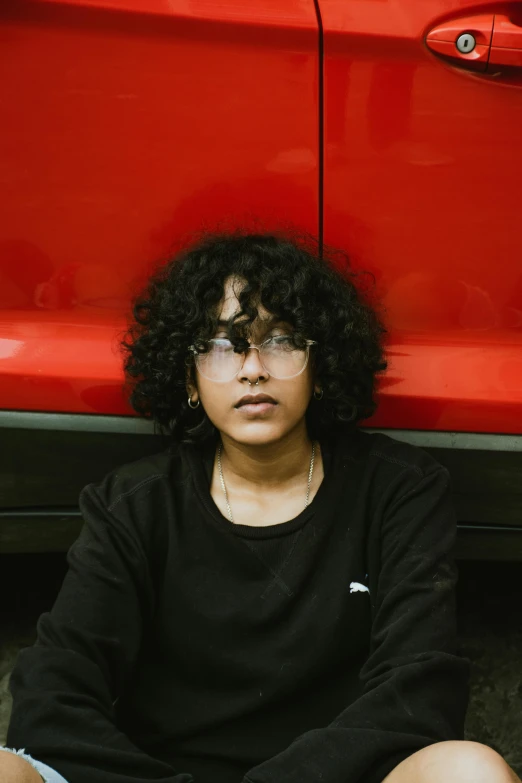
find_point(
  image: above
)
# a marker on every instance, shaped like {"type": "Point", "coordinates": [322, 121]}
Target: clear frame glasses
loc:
{"type": "Point", "coordinates": [279, 355]}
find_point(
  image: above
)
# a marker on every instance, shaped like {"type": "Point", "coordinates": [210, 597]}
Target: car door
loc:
{"type": "Point", "coordinates": [127, 126]}
{"type": "Point", "coordinates": [422, 184]}
{"type": "Point", "coordinates": [422, 173]}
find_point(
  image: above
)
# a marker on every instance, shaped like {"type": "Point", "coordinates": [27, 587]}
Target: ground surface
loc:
{"type": "Point", "coordinates": [490, 628]}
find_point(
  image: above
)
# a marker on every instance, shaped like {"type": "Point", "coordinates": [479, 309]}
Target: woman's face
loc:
{"type": "Point", "coordinates": [254, 425]}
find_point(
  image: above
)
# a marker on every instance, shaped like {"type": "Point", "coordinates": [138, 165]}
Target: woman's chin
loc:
{"type": "Point", "coordinates": [256, 432]}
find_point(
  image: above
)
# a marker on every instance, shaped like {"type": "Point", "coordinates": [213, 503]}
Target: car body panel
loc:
{"type": "Point", "coordinates": [422, 185]}
{"type": "Point", "coordinates": [166, 112]}
{"type": "Point", "coordinates": [132, 125]}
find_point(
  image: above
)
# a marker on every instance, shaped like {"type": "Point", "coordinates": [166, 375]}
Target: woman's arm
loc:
{"type": "Point", "coordinates": [65, 686]}
{"type": "Point", "coordinates": [415, 685]}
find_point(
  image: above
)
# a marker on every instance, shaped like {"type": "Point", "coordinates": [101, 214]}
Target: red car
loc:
{"type": "Point", "coordinates": [389, 128]}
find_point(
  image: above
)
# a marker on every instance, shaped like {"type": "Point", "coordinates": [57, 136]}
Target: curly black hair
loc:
{"type": "Point", "coordinates": [313, 291]}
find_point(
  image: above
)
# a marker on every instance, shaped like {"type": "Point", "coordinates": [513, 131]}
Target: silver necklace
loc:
{"type": "Point", "coordinates": [310, 474]}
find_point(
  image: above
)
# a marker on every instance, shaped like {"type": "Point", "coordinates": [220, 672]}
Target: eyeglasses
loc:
{"type": "Point", "coordinates": [280, 357]}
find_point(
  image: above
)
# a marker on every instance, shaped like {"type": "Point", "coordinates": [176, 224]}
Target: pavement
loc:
{"type": "Point", "coordinates": [490, 635]}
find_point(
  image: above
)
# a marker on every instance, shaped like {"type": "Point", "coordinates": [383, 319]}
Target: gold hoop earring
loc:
{"type": "Point", "coordinates": [193, 406]}
{"type": "Point", "coordinates": [318, 396]}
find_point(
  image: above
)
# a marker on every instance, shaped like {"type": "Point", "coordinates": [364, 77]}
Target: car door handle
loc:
{"type": "Point", "coordinates": [485, 43]}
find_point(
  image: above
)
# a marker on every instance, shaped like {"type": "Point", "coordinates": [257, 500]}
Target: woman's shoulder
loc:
{"type": "Point", "coordinates": [132, 479]}
{"type": "Point", "coordinates": [385, 453]}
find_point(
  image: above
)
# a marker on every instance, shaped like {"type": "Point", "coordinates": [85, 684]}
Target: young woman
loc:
{"type": "Point", "coordinates": [271, 598]}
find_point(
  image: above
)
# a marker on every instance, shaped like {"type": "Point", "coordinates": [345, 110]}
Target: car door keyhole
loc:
{"type": "Point", "coordinates": [466, 43]}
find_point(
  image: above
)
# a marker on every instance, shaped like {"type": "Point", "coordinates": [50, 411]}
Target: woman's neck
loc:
{"type": "Point", "coordinates": [269, 465]}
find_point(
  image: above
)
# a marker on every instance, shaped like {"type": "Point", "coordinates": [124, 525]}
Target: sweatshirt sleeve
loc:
{"type": "Point", "coordinates": [64, 687]}
{"type": "Point", "coordinates": [415, 686]}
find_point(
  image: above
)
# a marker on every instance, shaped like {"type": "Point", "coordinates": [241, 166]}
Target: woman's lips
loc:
{"type": "Point", "coordinates": [257, 408]}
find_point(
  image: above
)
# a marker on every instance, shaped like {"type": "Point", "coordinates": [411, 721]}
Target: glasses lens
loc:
{"type": "Point", "coordinates": [279, 356]}
{"type": "Point", "coordinates": [282, 358]}
{"type": "Point", "coordinates": [219, 362]}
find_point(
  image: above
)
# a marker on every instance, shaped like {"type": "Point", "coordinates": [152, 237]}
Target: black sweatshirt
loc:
{"type": "Point", "coordinates": [184, 647]}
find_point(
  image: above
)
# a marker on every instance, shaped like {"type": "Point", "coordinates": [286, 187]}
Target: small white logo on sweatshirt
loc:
{"type": "Point", "coordinates": [357, 587]}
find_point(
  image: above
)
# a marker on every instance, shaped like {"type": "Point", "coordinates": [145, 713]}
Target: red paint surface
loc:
{"type": "Point", "coordinates": [132, 124]}
{"type": "Point", "coordinates": [423, 177]}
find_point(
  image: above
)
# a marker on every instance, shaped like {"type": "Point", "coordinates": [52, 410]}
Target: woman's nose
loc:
{"type": "Point", "coordinates": [252, 369]}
